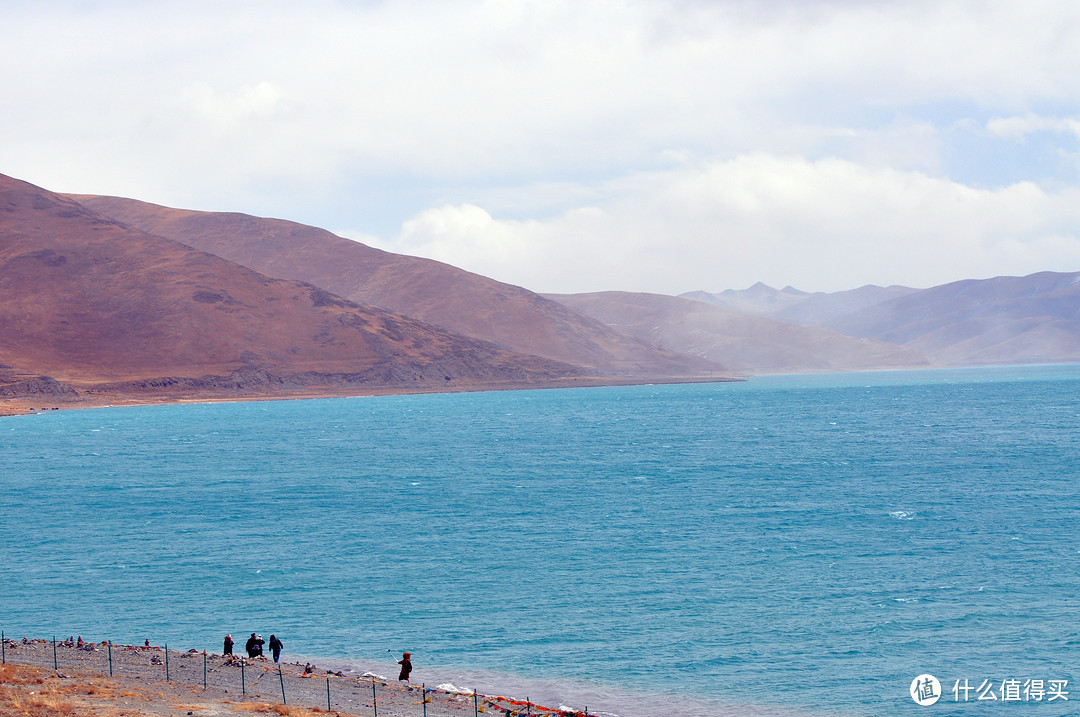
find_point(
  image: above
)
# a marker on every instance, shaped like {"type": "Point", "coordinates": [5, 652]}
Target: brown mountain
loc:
{"type": "Point", "coordinates": [90, 304]}
{"type": "Point", "coordinates": [741, 342]}
{"type": "Point", "coordinates": [431, 291]}
{"type": "Point", "coordinates": [1003, 320]}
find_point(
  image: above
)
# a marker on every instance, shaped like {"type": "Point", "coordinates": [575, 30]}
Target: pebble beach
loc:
{"type": "Point", "coordinates": [126, 680]}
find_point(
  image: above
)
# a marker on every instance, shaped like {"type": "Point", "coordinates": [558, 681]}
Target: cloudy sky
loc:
{"type": "Point", "coordinates": [665, 146]}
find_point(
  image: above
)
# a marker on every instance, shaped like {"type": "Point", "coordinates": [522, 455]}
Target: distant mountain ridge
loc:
{"type": "Point", "coordinates": [743, 342]}
{"type": "Point", "coordinates": [799, 307]}
{"type": "Point", "coordinates": [1005, 319]}
{"type": "Point", "coordinates": [1001, 320]}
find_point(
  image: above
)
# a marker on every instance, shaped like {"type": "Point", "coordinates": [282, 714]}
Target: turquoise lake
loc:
{"type": "Point", "coordinates": [795, 545]}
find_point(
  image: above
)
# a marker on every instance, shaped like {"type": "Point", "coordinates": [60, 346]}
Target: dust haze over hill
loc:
{"type": "Point", "coordinates": [742, 341]}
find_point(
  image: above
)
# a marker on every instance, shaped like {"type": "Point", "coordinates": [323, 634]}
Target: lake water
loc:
{"type": "Point", "coordinates": [802, 545]}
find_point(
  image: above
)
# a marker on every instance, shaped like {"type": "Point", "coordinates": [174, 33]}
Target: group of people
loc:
{"type": "Point", "coordinates": [72, 642]}
{"type": "Point", "coordinates": [254, 646]}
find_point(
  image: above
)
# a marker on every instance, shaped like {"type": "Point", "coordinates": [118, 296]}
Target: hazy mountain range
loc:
{"type": "Point", "coordinates": [1003, 320]}
{"type": "Point", "coordinates": [105, 298]}
{"type": "Point", "coordinates": [744, 343]}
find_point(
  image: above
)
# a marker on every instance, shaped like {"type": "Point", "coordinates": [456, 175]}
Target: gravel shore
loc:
{"type": "Point", "coordinates": [138, 680]}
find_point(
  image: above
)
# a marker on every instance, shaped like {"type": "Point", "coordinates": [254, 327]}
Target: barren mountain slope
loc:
{"type": "Point", "coordinates": [434, 292]}
{"type": "Point", "coordinates": [89, 301]}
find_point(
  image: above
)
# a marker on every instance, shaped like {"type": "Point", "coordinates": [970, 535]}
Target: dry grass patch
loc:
{"type": "Point", "coordinates": [11, 674]}
{"type": "Point", "coordinates": [30, 692]}
{"type": "Point", "coordinates": [24, 692]}
{"type": "Point", "coordinates": [19, 701]}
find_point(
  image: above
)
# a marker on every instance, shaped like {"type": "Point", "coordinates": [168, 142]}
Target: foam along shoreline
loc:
{"type": "Point", "coordinates": [156, 681]}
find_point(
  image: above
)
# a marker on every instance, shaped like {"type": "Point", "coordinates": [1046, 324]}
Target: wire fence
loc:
{"type": "Point", "coordinates": [259, 680]}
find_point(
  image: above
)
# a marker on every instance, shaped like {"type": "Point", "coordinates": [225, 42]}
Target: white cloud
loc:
{"type": "Point", "coordinates": [824, 225]}
{"type": "Point", "coordinates": [468, 235]}
{"type": "Point", "coordinates": [688, 135]}
{"type": "Point", "coordinates": [460, 88]}
{"type": "Point", "coordinates": [1020, 127]}
{"type": "Point", "coordinates": [231, 109]}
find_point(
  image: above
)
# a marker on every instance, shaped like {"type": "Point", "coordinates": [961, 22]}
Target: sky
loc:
{"type": "Point", "coordinates": [663, 146]}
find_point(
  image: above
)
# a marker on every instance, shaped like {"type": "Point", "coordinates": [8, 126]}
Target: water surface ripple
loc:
{"type": "Point", "coordinates": [801, 544]}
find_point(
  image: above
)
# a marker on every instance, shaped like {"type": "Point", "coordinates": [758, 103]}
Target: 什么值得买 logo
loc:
{"type": "Point", "coordinates": [925, 690]}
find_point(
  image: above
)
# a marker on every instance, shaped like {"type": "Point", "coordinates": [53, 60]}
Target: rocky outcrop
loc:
{"type": "Point", "coordinates": [20, 384]}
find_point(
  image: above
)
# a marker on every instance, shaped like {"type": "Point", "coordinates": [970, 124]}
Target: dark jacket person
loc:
{"type": "Point", "coordinates": [275, 646]}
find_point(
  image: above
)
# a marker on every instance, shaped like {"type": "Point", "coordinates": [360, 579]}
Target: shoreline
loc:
{"type": "Point", "coordinates": [29, 405]}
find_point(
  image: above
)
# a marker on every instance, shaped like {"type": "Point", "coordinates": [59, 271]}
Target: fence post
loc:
{"type": "Point", "coordinates": [204, 670]}
{"type": "Point", "coordinates": [528, 707]}
{"type": "Point", "coordinates": [166, 662]}
{"type": "Point", "coordinates": [110, 658]}
{"type": "Point", "coordinates": [282, 680]}
{"type": "Point", "coordinates": [3, 647]}
{"type": "Point", "coordinates": [327, 691]}
{"type": "Point", "coordinates": [423, 697]}
{"type": "Point", "coordinates": [56, 667]}
{"type": "Point", "coordinates": [374, 699]}
{"type": "Point", "coordinates": [475, 707]}
{"type": "Point", "coordinates": [243, 685]}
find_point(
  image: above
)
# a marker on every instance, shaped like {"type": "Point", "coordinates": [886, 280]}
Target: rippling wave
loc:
{"type": "Point", "coordinates": [789, 545]}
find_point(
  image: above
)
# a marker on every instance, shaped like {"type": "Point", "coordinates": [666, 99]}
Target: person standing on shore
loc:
{"type": "Point", "coordinates": [253, 646]}
{"type": "Point", "coordinates": [406, 666]}
{"type": "Point", "coordinates": [228, 645]}
{"type": "Point", "coordinates": [275, 646]}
